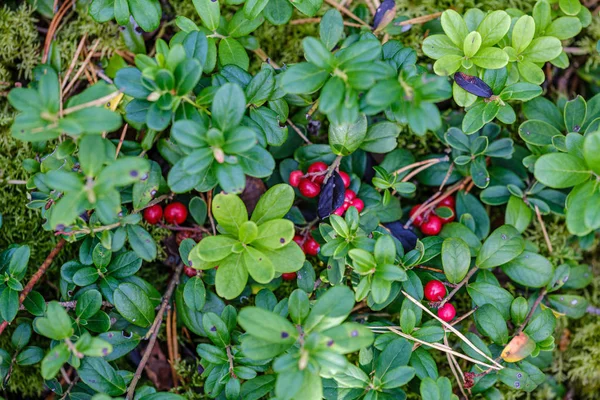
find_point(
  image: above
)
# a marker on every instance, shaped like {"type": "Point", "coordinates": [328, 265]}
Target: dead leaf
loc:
{"type": "Point", "coordinates": [518, 348]}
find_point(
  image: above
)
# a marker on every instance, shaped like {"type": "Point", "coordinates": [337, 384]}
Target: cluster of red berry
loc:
{"type": "Point", "coordinates": [436, 291]}
{"type": "Point", "coordinates": [430, 222]}
{"type": "Point", "coordinates": [310, 183]}
{"type": "Point", "coordinates": [175, 213]}
{"type": "Point", "coordinates": [309, 246]}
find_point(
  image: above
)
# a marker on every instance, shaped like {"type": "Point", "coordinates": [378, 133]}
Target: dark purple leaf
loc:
{"type": "Point", "coordinates": [332, 195]}
{"type": "Point", "coordinates": [385, 14]}
{"type": "Point", "coordinates": [473, 85]}
{"type": "Point", "coordinates": [405, 236]}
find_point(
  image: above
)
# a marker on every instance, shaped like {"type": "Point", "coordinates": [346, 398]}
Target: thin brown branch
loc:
{"type": "Point", "coordinates": [153, 331]}
{"type": "Point", "coordinates": [544, 231]}
{"type": "Point", "coordinates": [349, 13]}
{"type": "Point", "coordinates": [36, 277]}
{"type": "Point", "coordinates": [121, 140]}
{"type": "Point", "coordinates": [82, 67]}
{"type": "Point", "coordinates": [530, 314]}
{"type": "Point", "coordinates": [74, 61]}
{"type": "Point", "coordinates": [263, 56]}
{"type": "Point", "coordinates": [419, 20]}
{"type": "Point", "coordinates": [298, 131]}
{"type": "Point", "coordinates": [459, 286]}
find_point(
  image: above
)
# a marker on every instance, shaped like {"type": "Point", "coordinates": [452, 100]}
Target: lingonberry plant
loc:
{"type": "Point", "coordinates": [357, 225]}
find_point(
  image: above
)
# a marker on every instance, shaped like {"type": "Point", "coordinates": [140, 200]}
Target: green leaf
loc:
{"type": "Point", "coordinates": [502, 246]}
{"type": "Point", "coordinates": [21, 336]}
{"type": "Point", "coordinates": [487, 293]}
{"type": "Point", "coordinates": [447, 64]}
{"type": "Point", "coordinates": [331, 28]}
{"type": "Point", "coordinates": [216, 329]}
{"type": "Point", "coordinates": [345, 138]}
{"type": "Point", "coordinates": [308, 7]}
{"type": "Point", "coordinates": [381, 138]}
{"type": "Point", "coordinates": [253, 8]}
{"type": "Point", "coordinates": [273, 204]}
{"type": "Point", "coordinates": [56, 324]}
{"type": "Point", "coordinates": [570, 7]}
{"type": "Point", "coordinates": [124, 265]}
{"type": "Point", "coordinates": [146, 13]}
{"type": "Point", "coordinates": [493, 28]}
{"type": "Point", "coordinates": [30, 355]}
{"type": "Point", "coordinates": [349, 337]}
{"type": "Point", "coordinates": [472, 44]}
{"type": "Point", "coordinates": [518, 214]}
{"type": "Point", "coordinates": [209, 12]}
{"type": "Point", "coordinates": [232, 276]}
{"type": "Point", "coordinates": [54, 360]}
{"type": "Point", "coordinates": [490, 58]}
{"type": "Point", "coordinates": [564, 28]}
{"type": "Point", "coordinates": [330, 310]}
{"type": "Point", "coordinates": [88, 304]}
{"type": "Point", "coordinates": [490, 323]}
{"type": "Point", "coordinates": [561, 170]}
{"type": "Point", "coordinates": [141, 242]}
{"type": "Point", "coordinates": [523, 33]}
{"type": "Point", "coordinates": [456, 259]}
{"type": "Point", "coordinates": [230, 212]}
{"type": "Point", "coordinates": [194, 294]}
{"type": "Point", "coordinates": [228, 107]}
{"type": "Point", "coordinates": [455, 27]}
{"type": "Point", "coordinates": [303, 78]}
{"type": "Point", "coordinates": [134, 304]}
{"type": "Point", "coordinates": [101, 376]}
{"type": "Point", "coordinates": [259, 266]}
{"type": "Point", "coordinates": [575, 113]}
{"type": "Point", "coordinates": [274, 234]}
{"type": "Point", "coordinates": [232, 52]}
{"type": "Point", "coordinates": [543, 49]}
{"type": "Point", "coordinates": [591, 151]}
{"type": "Point", "coordinates": [277, 12]}
{"type": "Point", "coordinates": [530, 270]}
{"type": "Point", "coordinates": [267, 325]}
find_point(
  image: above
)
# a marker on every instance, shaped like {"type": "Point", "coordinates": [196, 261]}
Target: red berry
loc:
{"type": "Point", "coordinates": [288, 276]}
{"type": "Point", "coordinates": [346, 178]}
{"type": "Point", "coordinates": [447, 312]}
{"type": "Point", "coordinates": [349, 195]}
{"type": "Point", "coordinates": [448, 202]}
{"type": "Point", "coordinates": [189, 271]}
{"type": "Point", "coordinates": [295, 177]}
{"type": "Point", "coordinates": [340, 210]}
{"type": "Point", "coordinates": [449, 219]}
{"type": "Point", "coordinates": [298, 239]}
{"type": "Point", "coordinates": [318, 166]}
{"type": "Point", "coordinates": [176, 213]}
{"type": "Point", "coordinates": [432, 226]}
{"type": "Point", "coordinates": [419, 219]}
{"type": "Point", "coordinates": [311, 247]}
{"type": "Point", "coordinates": [309, 189]}
{"type": "Point", "coordinates": [435, 290]}
{"type": "Point", "coordinates": [359, 204]}
{"type": "Point", "coordinates": [346, 205]}
{"type": "Point", "coordinates": [153, 214]}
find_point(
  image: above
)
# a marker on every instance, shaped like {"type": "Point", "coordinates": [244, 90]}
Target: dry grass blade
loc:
{"type": "Point", "coordinates": [82, 67]}
{"type": "Point", "coordinates": [452, 329]}
{"type": "Point", "coordinates": [436, 346]}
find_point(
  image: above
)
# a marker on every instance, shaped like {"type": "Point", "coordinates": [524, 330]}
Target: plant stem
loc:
{"type": "Point", "coordinates": [36, 277]}
{"type": "Point", "coordinates": [419, 20]}
{"type": "Point", "coordinates": [349, 13]}
{"type": "Point", "coordinates": [153, 331]}
{"type": "Point", "coordinates": [460, 285]}
{"type": "Point", "coordinates": [544, 231]}
{"type": "Point", "coordinates": [298, 131]}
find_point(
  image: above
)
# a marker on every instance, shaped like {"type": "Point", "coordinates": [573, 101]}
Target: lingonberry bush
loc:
{"type": "Point", "coordinates": [317, 246]}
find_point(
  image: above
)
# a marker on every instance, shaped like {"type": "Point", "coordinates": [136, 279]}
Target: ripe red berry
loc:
{"type": "Point", "coordinates": [435, 290]}
{"type": "Point", "coordinates": [359, 204]}
{"type": "Point", "coordinates": [340, 210]}
{"type": "Point", "coordinates": [176, 213]}
{"type": "Point", "coordinates": [432, 226]}
{"type": "Point", "coordinates": [295, 177]}
{"type": "Point", "coordinates": [346, 178]}
{"type": "Point", "coordinates": [298, 239]}
{"type": "Point", "coordinates": [447, 312]}
{"type": "Point", "coordinates": [311, 247]}
{"type": "Point", "coordinates": [309, 189]}
{"type": "Point", "coordinates": [153, 214]}
{"type": "Point", "coordinates": [288, 276]}
{"type": "Point", "coordinates": [189, 271]}
{"type": "Point", "coordinates": [349, 195]}
{"type": "Point", "coordinates": [418, 221]}
{"type": "Point", "coordinates": [318, 166]}
{"type": "Point", "coordinates": [448, 202]}
{"type": "Point", "coordinates": [449, 219]}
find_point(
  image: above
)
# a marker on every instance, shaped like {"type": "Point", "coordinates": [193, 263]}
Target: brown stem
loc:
{"type": "Point", "coordinates": [460, 285]}
{"type": "Point", "coordinates": [544, 231]}
{"type": "Point", "coordinates": [36, 277]}
{"type": "Point", "coordinates": [417, 164]}
{"type": "Point", "coordinates": [419, 20]}
{"type": "Point", "coordinates": [153, 331]}
{"type": "Point", "coordinates": [423, 168]}
{"type": "Point", "coordinates": [349, 13]}
{"type": "Point", "coordinates": [298, 131]}
{"type": "Point", "coordinates": [74, 60]}
{"type": "Point", "coordinates": [121, 140]}
{"type": "Point", "coordinates": [82, 67]}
